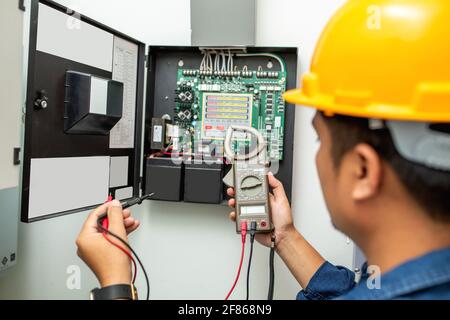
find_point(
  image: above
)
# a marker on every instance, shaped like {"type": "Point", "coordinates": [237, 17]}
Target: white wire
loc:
{"type": "Point", "coordinates": [210, 66]}
{"type": "Point", "coordinates": [216, 60]}
{"type": "Point", "coordinates": [224, 61]}
{"type": "Point", "coordinates": [230, 61]}
{"type": "Point", "coordinates": [202, 65]}
{"type": "Point", "coordinates": [283, 68]}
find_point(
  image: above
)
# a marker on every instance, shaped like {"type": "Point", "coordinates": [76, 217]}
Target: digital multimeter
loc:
{"type": "Point", "coordinates": [252, 202]}
{"type": "Point", "coordinates": [249, 179]}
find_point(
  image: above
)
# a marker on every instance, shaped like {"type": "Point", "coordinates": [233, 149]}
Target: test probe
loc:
{"type": "Point", "coordinates": [103, 225]}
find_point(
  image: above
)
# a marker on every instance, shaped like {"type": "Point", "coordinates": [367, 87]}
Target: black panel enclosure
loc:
{"type": "Point", "coordinates": [162, 67]}
{"type": "Point", "coordinates": [79, 118]}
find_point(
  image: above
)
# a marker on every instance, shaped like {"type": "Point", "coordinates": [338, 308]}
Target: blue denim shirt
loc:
{"type": "Point", "coordinates": [424, 278]}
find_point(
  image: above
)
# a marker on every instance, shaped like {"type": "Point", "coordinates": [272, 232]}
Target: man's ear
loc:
{"type": "Point", "coordinates": [367, 171]}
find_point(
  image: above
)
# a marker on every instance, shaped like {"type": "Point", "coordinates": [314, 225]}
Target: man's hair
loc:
{"type": "Point", "coordinates": [429, 187]}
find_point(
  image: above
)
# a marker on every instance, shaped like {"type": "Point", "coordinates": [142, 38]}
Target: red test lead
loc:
{"type": "Point", "coordinates": [243, 235]}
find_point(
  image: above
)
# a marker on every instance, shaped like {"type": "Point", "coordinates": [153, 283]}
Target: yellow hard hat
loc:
{"type": "Point", "coordinates": [382, 59]}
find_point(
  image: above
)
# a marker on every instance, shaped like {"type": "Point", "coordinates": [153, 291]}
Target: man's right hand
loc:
{"type": "Point", "coordinates": [280, 213]}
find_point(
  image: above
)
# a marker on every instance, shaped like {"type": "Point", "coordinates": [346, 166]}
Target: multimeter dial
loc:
{"type": "Point", "coordinates": [251, 186]}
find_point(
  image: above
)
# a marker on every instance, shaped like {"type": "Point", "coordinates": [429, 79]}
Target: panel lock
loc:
{"type": "Point", "coordinates": [41, 101]}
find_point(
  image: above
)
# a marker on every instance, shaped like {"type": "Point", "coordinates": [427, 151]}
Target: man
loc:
{"type": "Point", "coordinates": [380, 80]}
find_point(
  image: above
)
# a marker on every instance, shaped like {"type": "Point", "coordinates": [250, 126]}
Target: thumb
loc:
{"type": "Point", "coordinates": [115, 219]}
{"type": "Point", "coordinates": [277, 187]}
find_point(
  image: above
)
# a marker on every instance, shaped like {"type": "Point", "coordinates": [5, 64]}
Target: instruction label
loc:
{"type": "Point", "coordinates": [125, 63]}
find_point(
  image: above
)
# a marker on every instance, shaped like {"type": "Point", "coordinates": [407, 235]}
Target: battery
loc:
{"type": "Point", "coordinates": [164, 179]}
{"type": "Point", "coordinates": [203, 183]}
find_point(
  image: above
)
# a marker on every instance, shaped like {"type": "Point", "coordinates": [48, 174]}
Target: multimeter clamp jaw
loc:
{"type": "Point", "coordinates": [249, 179]}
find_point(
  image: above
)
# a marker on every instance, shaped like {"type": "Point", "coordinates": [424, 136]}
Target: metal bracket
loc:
{"type": "Point", "coordinates": [16, 160]}
{"type": "Point", "coordinates": [22, 5]}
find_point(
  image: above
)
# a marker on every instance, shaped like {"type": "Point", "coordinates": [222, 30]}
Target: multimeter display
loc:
{"type": "Point", "coordinates": [253, 210]}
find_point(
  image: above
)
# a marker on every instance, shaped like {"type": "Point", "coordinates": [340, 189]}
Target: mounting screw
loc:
{"type": "Point", "coordinates": [42, 100]}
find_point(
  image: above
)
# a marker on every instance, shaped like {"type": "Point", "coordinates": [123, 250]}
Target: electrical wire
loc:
{"type": "Point", "coordinates": [105, 224]}
{"type": "Point", "coordinates": [248, 271]}
{"type": "Point", "coordinates": [252, 241]}
{"type": "Point", "coordinates": [100, 226]}
{"type": "Point", "coordinates": [210, 66]}
{"type": "Point", "coordinates": [243, 236]}
{"type": "Point", "coordinates": [238, 273]}
{"type": "Point", "coordinates": [134, 271]}
{"type": "Point", "coordinates": [271, 270]}
{"type": "Point", "coordinates": [283, 66]}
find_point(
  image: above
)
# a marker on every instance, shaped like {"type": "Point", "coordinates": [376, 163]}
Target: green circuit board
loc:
{"type": "Point", "coordinates": [207, 103]}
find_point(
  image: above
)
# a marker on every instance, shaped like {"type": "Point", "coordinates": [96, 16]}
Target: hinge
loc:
{"type": "Point", "coordinates": [22, 5]}
{"type": "Point", "coordinates": [147, 62]}
{"type": "Point", "coordinates": [140, 187]}
{"type": "Point", "coordinates": [16, 160]}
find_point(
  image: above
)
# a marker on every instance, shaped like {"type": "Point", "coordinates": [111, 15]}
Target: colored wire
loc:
{"type": "Point", "coordinates": [126, 252]}
{"type": "Point", "coordinates": [272, 270]}
{"type": "Point", "coordinates": [238, 273]}
{"type": "Point", "coordinates": [243, 235]}
{"type": "Point", "coordinates": [248, 270]}
{"type": "Point", "coordinates": [249, 266]}
{"type": "Point", "coordinates": [99, 225]}
{"type": "Point", "coordinates": [105, 224]}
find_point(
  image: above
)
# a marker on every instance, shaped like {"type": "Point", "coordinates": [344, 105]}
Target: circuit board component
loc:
{"type": "Point", "coordinates": [212, 98]}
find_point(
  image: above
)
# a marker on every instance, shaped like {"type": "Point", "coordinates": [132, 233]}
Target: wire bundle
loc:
{"type": "Point", "coordinates": [252, 232]}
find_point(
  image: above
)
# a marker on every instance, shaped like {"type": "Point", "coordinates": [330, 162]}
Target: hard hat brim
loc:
{"type": "Point", "coordinates": [328, 105]}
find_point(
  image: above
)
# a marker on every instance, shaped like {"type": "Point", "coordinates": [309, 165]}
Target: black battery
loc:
{"type": "Point", "coordinates": [164, 179]}
{"type": "Point", "coordinates": [203, 183]}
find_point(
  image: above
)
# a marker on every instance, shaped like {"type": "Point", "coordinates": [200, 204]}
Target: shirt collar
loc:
{"type": "Point", "coordinates": [424, 272]}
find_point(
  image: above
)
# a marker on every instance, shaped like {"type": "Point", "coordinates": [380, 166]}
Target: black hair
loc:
{"type": "Point", "coordinates": [429, 187]}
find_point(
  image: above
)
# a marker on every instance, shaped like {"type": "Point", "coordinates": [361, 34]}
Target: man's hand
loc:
{"type": "Point", "coordinates": [280, 212]}
{"type": "Point", "coordinates": [110, 265]}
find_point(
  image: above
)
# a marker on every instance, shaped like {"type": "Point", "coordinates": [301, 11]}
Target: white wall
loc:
{"type": "Point", "coordinates": [10, 94]}
{"type": "Point", "coordinates": [191, 251]}
{"type": "Point", "coordinates": [299, 24]}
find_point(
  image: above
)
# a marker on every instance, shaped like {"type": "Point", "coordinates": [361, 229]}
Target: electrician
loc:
{"type": "Point", "coordinates": [380, 81]}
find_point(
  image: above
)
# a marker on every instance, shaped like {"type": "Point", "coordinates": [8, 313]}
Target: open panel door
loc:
{"type": "Point", "coordinates": [75, 61]}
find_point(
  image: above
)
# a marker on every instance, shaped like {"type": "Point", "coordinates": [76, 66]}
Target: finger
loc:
{"type": "Point", "coordinates": [277, 187]}
{"type": "Point", "coordinates": [271, 197]}
{"type": "Point", "coordinates": [126, 214]}
{"type": "Point", "coordinates": [91, 221]}
{"type": "Point", "coordinates": [233, 216]}
{"type": "Point", "coordinates": [230, 192]}
{"type": "Point", "coordinates": [232, 203]}
{"type": "Point", "coordinates": [133, 227]}
{"type": "Point", "coordinates": [128, 222]}
{"type": "Point", "coordinates": [115, 218]}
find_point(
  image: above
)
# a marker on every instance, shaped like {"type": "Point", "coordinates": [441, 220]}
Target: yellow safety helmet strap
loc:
{"type": "Point", "coordinates": [417, 142]}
